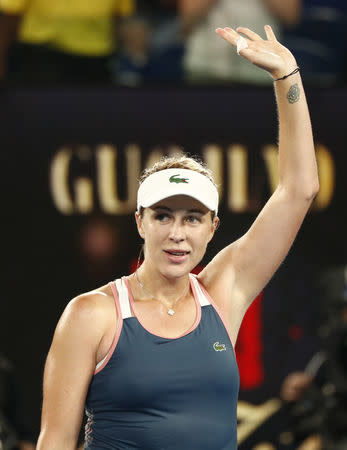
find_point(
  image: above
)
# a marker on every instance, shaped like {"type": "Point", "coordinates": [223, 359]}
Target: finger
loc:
{"type": "Point", "coordinates": [232, 32]}
{"type": "Point", "coordinates": [228, 34]}
{"type": "Point", "coordinates": [248, 53]}
{"type": "Point", "coordinates": [249, 33]}
{"type": "Point", "coordinates": [269, 33]}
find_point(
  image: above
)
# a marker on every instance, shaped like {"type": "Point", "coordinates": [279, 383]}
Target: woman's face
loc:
{"type": "Point", "coordinates": [176, 231]}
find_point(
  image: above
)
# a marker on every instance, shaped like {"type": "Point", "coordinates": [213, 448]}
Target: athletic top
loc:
{"type": "Point", "coordinates": [156, 393]}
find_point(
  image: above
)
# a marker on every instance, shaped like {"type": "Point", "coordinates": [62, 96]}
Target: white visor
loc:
{"type": "Point", "coordinates": [169, 182]}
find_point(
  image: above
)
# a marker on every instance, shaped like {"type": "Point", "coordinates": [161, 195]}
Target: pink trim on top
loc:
{"type": "Point", "coordinates": [198, 311]}
{"type": "Point", "coordinates": [118, 328]}
{"type": "Point", "coordinates": [209, 298]}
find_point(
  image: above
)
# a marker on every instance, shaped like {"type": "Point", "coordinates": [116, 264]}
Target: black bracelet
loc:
{"type": "Point", "coordinates": [286, 76]}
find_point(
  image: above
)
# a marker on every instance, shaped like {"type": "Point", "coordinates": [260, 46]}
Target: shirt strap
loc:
{"type": "Point", "coordinates": [123, 299]}
{"type": "Point", "coordinates": [201, 296]}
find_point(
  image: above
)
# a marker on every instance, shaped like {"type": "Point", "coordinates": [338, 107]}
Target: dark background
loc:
{"type": "Point", "coordinates": [43, 267]}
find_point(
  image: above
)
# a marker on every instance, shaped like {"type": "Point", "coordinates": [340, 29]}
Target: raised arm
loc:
{"type": "Point", "coordinates": [69, 368]}
{"type": "Point", "coordinates": [243, 268]}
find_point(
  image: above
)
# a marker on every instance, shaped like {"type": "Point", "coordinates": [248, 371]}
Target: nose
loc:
{"type": "Point", "coordinates": [177, 232]}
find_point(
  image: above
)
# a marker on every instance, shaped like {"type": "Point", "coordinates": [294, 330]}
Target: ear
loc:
{"type": "Point", "coordinates": [214, 227]}
{"type": "Point", "coordinates": [139, 223]}
{"type": "Point", "coordinates": [216, 223]}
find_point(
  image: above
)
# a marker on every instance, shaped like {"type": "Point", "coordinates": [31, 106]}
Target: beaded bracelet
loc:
{"type": "Point", "coordinates": [286, 76]}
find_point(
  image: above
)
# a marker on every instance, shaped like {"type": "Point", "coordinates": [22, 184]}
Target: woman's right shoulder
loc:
{"type": "Point", "coordinates": [94, 310]}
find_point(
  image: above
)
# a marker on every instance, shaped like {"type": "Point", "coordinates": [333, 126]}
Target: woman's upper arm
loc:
{"type": "Point", "coordinates": [241, 270]}
{"type": "Point", "coordinates": [68, 371]}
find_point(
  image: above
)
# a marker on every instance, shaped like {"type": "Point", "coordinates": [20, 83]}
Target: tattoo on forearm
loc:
{"type": "Point", "coordinates": [293, 93]}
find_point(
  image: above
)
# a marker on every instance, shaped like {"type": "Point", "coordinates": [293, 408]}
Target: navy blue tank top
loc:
{"type": "Point", "coordinates": [157, 393]}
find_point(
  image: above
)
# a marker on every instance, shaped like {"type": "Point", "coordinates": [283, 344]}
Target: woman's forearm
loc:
{"type": "Point", "coordinates": [297, 162]}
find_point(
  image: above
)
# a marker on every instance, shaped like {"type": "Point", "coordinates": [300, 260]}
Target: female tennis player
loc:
{"type": "Point", "coordinates": [151, 356]}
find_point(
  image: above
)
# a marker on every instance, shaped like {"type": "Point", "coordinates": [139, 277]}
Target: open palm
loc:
{"type": "Point", "coordinates": [268, 54]}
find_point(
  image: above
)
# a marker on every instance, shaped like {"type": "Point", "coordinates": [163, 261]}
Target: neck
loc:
{"type": "Point", "coordinates": [160, 286]}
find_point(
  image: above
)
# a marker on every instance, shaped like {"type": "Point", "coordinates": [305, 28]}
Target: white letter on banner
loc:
{"type": "Point", "coordinates": [110, 202]}
{"type": "Point", "coordinates": [270, 155]}
{"type": "Point", "coordinates": [238, 178]}
{"type": "Point", "coordinates": [59, 181]}
{"type": "Point", "coordinates": [326, 173]}
{"type": "Point", "coordinates": [213, 157]}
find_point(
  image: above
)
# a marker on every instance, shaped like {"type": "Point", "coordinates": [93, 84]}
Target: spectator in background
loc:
{"type": "Point", "coordinates": [199, 20]}
{"type": "Point", "coordinates": [165, 22]}
{"type": "Point", "coordinates": [316, 32]}
{"type": "Point", "coordinates": [132, 66]}
{"type": "Point", "coordinates": [56, 41]}
{"type": "Point", "coordinates": [141, 60]}
{"type": "Point", "coordinates": [15, 428]}
{"type": "Point", "coordinates": [151, 45]}
{"type": "Point", "coordinates": [317, 395]}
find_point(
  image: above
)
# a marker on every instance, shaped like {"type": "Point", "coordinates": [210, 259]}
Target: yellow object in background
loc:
{"type": "Point", "coordinates": [83, 27]}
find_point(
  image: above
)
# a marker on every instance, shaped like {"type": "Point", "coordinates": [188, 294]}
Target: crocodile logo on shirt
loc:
{"type": "Point", "coordinates": [173, 179]}
{"type": "Point", "coordinates": [219, 347]}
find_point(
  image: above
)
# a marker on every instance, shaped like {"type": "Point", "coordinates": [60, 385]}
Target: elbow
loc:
{"type": "Point", "coordinates": [301, 191]}
{"type": "Point", "coordinates": [311, 191]}
{"type": "Point", "coordinates": [314, 188]}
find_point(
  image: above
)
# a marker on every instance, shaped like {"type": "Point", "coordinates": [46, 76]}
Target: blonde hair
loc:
{"type": "Point", "coordinates": [178, 161]}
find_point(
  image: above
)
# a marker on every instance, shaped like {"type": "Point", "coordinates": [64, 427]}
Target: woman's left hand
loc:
{"type": "Point", "coordinates": [268, 54]}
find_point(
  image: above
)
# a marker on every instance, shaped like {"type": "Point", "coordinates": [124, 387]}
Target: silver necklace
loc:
{"type": "Point", "coordinates": [171, 310]}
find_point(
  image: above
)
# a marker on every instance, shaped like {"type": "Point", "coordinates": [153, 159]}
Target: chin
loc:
{"type": "Point", "coordinates": [179, 270]}
{"type": "Point", "coordinates": [175, 272]}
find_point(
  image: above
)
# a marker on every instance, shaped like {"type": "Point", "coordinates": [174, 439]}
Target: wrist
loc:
{"type": "Point", "coordinates": [285, 70]}
{"type": "Point", "coordinates": [293, 72]}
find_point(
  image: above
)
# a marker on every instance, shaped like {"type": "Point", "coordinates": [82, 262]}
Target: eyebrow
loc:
{"type": "Point", "coordinates": [166, 208]}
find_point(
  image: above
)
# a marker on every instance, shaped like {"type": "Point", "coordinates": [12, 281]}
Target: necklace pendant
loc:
{"type": "Point", "coordinates": [171, 312]}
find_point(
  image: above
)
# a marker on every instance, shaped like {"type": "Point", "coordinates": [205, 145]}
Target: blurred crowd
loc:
{"type": "Point", "coordinates": [133, 42]}
{"type": "Point", "coordinates": [16, 427]}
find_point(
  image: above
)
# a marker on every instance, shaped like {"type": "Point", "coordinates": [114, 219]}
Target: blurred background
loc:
{"type": "Point", "coordinates": [91, 93]}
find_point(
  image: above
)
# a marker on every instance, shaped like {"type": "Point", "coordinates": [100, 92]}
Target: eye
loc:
{"type": "Point", "coordinates": [162, 217]}
{"type": "Point", "coordinates": [193, 219]}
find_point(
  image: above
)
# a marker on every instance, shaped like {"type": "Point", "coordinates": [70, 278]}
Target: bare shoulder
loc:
{"type": "Point", "coordinates": [77, 347]}
{"type": "Point", "coordinates": [90, 315]}
{"type": "Point", "coordinates": [97, 304]}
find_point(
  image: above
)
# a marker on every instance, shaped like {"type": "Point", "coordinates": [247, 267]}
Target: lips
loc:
{"type": "Point", "coordinates": [177, 252]}
{"type": "Point", "coordinates": [176, 256]}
